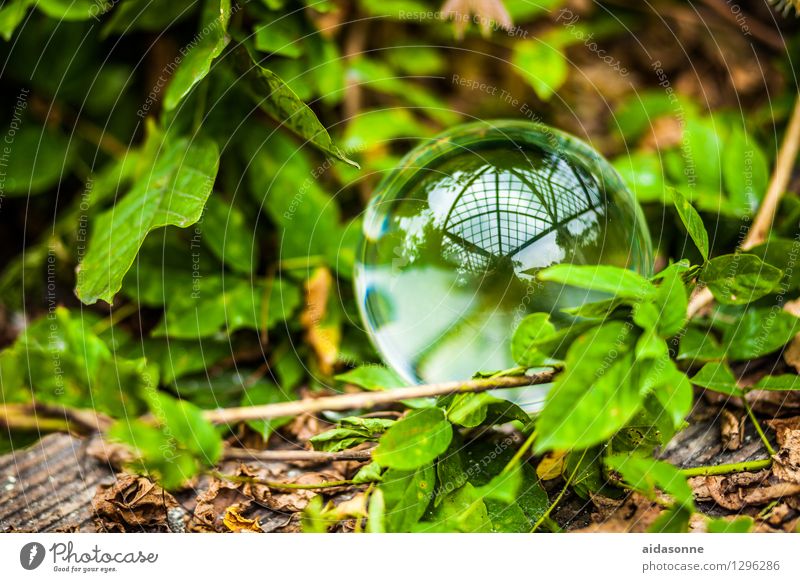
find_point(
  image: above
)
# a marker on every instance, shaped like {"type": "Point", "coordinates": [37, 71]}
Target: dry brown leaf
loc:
{"type": "Point", "coordinates": [322, 335]}
{"type": "Point", "coordinates": [731, 430]}
{"type": "Point", "coordinates": [212, 504]}
{"type": "Point", "coordinates": [741, 490]}
{"type": "Point", "coordinates": [133, 504]}
{"type": "Point", "coordinates": [237, 523]}
{"type": "Point", "coordinates": [787, 459]}
{"type": "Point", "coordinates": [635, 514]}
{"type": "Point", "coordinates": [115, 454]}
{"type": "Point", "coordinates": [295, 500]}
{"type": "Point", "coordinates": [551, 466]}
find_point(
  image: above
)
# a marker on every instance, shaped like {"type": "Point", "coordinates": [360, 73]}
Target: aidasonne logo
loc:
{"type": "Point", "coordinates": [67, 559]}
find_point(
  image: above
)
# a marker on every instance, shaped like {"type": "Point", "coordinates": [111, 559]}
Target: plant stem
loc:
{"type": "Point", "coordinates": [561, 493]}
{"type": "Point", "coordinates": [372, 399]}
{"type": "Point", "coordinates": [278, 485]}
{"type": "Point", "coordinates": [760, 432]}
{"type": "Point", "coordinates": [727, 469]}
{"type": "Point", "coordinates": [518, 455]}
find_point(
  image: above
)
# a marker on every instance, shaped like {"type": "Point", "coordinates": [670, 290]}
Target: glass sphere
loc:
{"type": "Point", "coordinates": [454, 237]}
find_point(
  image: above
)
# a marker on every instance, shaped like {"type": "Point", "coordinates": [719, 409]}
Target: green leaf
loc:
{"type": "Point", "coordinates": [200, 53]}
{"type": "Point", "coordinates": [782, 254]}
{"type": "Point", "coordinates": [351, 431]}
{"type": "Point", "coordinates": [692, 221]}
{"type": "Point", "coordinates": [704, 144]}
{"type": "Point", "coordinates": [674, 393]}
{"type": "Point", "coordinates": [542, 65]}
{"type": "Point", "coordinates": [266, 393]}
{"type": "Point", "coordinates": [377, 129]}
{"type": "Point", "coordinates": [415, 440]}
{"type": "Point", "coordinates": [369, 473]}
{"type": "Point", "coordinates": [504, 487]}
{"type": "Point", "coordinates": [11, 14]}
{"type": "Point", "coordinates": [643, 174]}
{"type": "Point", "coordinates": [532, 328]}
{"type": "Point", "coordinates": [184, 422]}
{"type": "Point", "coordinates": [73, 9]}
{"type": "Point", "coordinates": [740, 524]}
{"type": "Point", "coordinates": [717, 376]}
{"type": "Point", "coordinates": [278, 101]}
{"type": "Point", "coordinates": [406, 495]}
{"type": "Point", "coordinates": [280, 37]}
{"type": "Point", "coordinates": [228, 305]}
{"type": "Point", "coordinates": [595, 395]}
{"type": "Point", "coordinates": [673, 520]}
{"type": "Point", "coordinates": [230, 236]}
{"type": "Point", "coordinates": [758, 332]}
{"type": "Point", "coordinates": [646, 475]}
{"type": "Point", "coordinates": [699, 345]}
{"type": "Point", "coordinates": [173, 193]}
{"type": "Point", "coordinates": [778, 383]}
{"type": "Point", "coordinates": [372, 377]}
{"type": "Point", "coordinates": [740, 278]}
{"type": "Point", "coordinates": [745, 171]}
{"type": "Point", "coordinates": [671, 300]}
{"type": "Point", "coordinates": [462, 510]}
{"type": "Point", "coordinates": [604, 278]}
{"type": "Point", "coordinates": [37, 159]}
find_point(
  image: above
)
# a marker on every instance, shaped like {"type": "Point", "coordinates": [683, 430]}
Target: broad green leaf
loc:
{"type": "Point", "coordinates": [717, 376]}
{"type": "Point", "coordinates": [11, 14]}
{"type": "Point", "coordinates": [783, 254]}
{"type": "Point", "coordinates": [532, 328]}
{"type": "Point", "coordinates": [699, 345]}
{"type": "Point", "coordinates": [758, 332]}
{"type": "Point", "coordinates": [674, 393]}
{"type": "Point", "coordinates": [704, 145]}
{"type": "Point", "coordinates": [745, 171]}
{"type": "Point", "coordinates": [415, 440]}
{"type": "Point", "coordinates": [36, 161]}
{"type": "Point", "coordinates": [471, 410]}
{"type": "Point", "coordinates": [184, 422]}
{"type": "Point", "coordinates": [372, 377]}
{"type": "Point", "coordinates": [673, 520]}
{"type": "Point", "coordinates": [377, 129]}
{"type": "Point", "coordinates": [504, 487]}
{"type": "Point", "coordinates": [376, 513]}
{"type": "Point", "coordinates": [542, 65]}
{"type": "Point", "coordinates": [369, 473]}
{"type": "Point", "coordinates": [740, 524]}
{"type": "Point", "coordinates": [280, 37]}
{"type": "Point", "coordinates": [778, 383]}
{"type": "Point", "coordinates": [198, 56]}
{"type": "Point", "coordinates": [646, 475]}
{"type": "Point", "coordinates": [278, 101]}
{"type": "Point", "coordinates": [462, 510]}
{"type": "Point", "coordinates": [740, 278]}
{"type": "Point", "coordinates": [158, 454]}
{"type": "Point", "coordinates": [266, 393]}
{"type": "Point", "coordinates": [692, 221]}
{"type": "Point", "coordinates": [595, 395]}
{"type": "Point", "coordinates": [671, 300]}
{"type": "Point", "coordinates": [73, 9]}
{"type": "Point", "coordinates": [134, 15]}
{"type": "Point", "coordinates": [230, 236]}
{"type": "Point", "coordinates": [173, 193]}
{"type": "Point", "coordinates": [406, 495]}
{"type": "Point", "coordinates": [643, 174]}
{"type": "Point", "coordinates": [605, 278]}
{"type": "Point", "coordinates": [228, 305]}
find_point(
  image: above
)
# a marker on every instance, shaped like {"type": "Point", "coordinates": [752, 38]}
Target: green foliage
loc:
{"type": "Point", "coordinates": [740, 278]}
{"type": "Point", "coordinates": [350, 432]}
{"type": "Point", "coordinates": [415, 440]}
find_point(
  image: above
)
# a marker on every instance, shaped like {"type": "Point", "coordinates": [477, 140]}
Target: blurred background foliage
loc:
{"type": "Point", "coordinates": [253, 116]}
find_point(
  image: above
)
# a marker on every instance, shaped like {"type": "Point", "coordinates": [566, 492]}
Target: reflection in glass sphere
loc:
{"type": "Point", "coordinates": [455, 235]}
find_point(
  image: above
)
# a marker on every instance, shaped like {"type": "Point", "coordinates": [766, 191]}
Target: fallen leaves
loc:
{"type": "Point", "coordinates": [133, 504]}
{"type": "Point", "coordinates": [787, 458]}
{"type": "Point", "coordinates": [731, 430]}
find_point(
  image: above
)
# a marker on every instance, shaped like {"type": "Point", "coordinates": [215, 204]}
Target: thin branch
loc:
{"type": "Point", "coordinates": [787, 155]}
{"type": "Point", "coordinates": [372, 399]}
{"type": "Point", "coordinates": [745, 466]}
{"type": "Point", "coordinates": [288, 456]}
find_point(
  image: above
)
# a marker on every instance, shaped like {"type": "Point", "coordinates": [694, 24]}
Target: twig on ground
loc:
{"type": "Point", "coordinates": [288, 456]}
{"type": "Point", "coordinates": [372, 399]}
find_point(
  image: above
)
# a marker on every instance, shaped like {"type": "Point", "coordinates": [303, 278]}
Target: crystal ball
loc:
{"type": "Point", "coordinates": [454, 236]}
